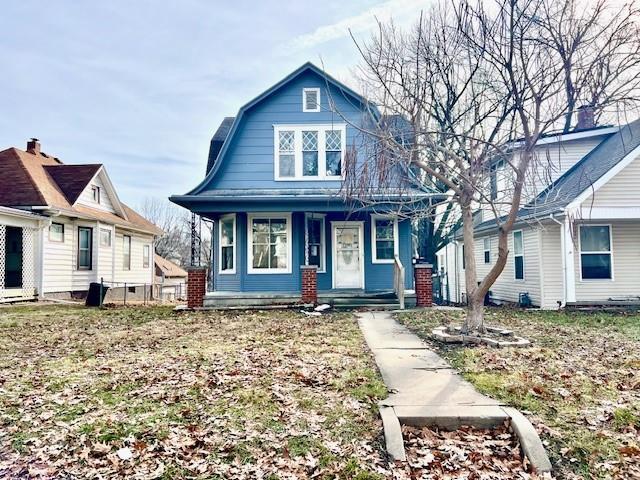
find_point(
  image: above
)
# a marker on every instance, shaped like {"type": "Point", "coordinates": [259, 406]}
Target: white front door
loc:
{"type": "Point", "coordinates": [348, 255]}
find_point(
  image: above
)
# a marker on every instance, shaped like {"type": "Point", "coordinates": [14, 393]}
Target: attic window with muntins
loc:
{"type": "Point", "coordinates": [311, 100]}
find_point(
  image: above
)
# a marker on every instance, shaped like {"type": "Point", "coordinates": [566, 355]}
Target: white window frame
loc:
{"type": "Point", "coordinates": [146, 256]}
{"type": "Point", "coordinates": [261, 271]}
{"type": "Point", "coordinates": [513, 237]}
{"type": "Point", "coordinates": [126, 240]}
{"type": "Point", "coordinates": [580, 251]}
{"type": "Point", "coordinates": [323, 239]}
{"type": "Point", "coordinates": [322, 158]}
{"type": "Point", "coordinates": [485, 250]}
{"type": "Point", "coordinates": [396, 245]}
{"type": "Point", "coordinates": [96, 194]}
{"type": "Point", "coordinates": [231, 271]}
{"type": "Point", "coordinates": [304, 100]}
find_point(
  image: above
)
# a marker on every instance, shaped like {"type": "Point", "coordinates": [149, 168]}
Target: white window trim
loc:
{"type": "Point", "coordinates": [322, 165]}
{"type": "Point", "coordinates": [334, 249]}
{"type": "Point", "coordinates": [485, 250]}
{"type": "Point", "coordinates": [323, 239]}
{"type": "Point", "coordinates": [396, 245]}
{"type": "Point", "coordinates": [513, 237]}
{"type": "Point", "coordinates": [231, 271]}
{"type": "Point", "coordinates": [103, 230]}
{"type": "Point", "coordinates": [610, 252]}
{"type": "Point", "coordinates": [146, 246]}
{"type": "Point", "coordinates": [63, 232]}
{"type": "Point", "coordinates": [304, 99]}
{"type": "Point", "coordinates": [261, 271]}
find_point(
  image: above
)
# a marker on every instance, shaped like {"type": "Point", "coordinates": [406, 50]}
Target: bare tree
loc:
{"type": "Point", "coordinates": [479, 85]}
{"type": "Point", "coordinates": [174, 244]}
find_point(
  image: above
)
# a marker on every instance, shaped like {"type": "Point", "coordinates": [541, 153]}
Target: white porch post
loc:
{"type": "Point", "coordinates": [568, 259]}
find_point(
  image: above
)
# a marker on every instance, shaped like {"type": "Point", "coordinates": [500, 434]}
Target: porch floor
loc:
{"type": "Point", "coordinates": [345, 298]}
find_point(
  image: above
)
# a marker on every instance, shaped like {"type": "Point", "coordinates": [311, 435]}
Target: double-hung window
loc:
{"type": "Point", "coordinates": [146, 254]}
{"type": "Point", "coordinates": [269, 243]}
{"type": "Point", "coordinates": [126, 252]}
{"type": "Point", "coordinates": [384, 241]}
{"type": "Point", "coordinates": [84, 248]}
{"type": "Point", "coordinates": [518, 255]}
{"type": "Point", "coordinates": [56, 232]}
{"type": "Point", "coordinates": [595, 252]}
{"type": "Point", "coordinates": [487, 250]}
{"type": "Point", "coordinates": [227, 242]}
{"type": "Point", "coordinates": [316, 241]}
{"type": "Point", "coordinates": [305, 152]}
{"type": "Point", "coordinates": [105, 237]}
{"type": "Point", "coordinates": [310, 153]}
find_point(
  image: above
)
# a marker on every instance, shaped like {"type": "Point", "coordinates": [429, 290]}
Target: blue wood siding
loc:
{"type": "Point", "coordinates": [249, 159]}
{"type": "Point", "coordinates": [377, 276]}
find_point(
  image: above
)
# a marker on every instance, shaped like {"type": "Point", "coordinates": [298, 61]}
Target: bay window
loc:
{"type": "Point", "coordinates": [518, 255]}
{"type": "Point", "coordinates": [595, 252]}
{"type": "Point", "coordinates": [269, 243]}
{"type": "Point", "coordinates": [304, 152]}
{"type": "Point", "coordinates": [384, 239]}
{"type": "Point", "coordinates": [227, 243]}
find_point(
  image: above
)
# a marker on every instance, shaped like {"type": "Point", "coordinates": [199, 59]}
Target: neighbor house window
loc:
{"type": "Point", "coordinates": [105, 237]}
{"type": "Point", "coordinates": [56, 232]}
{"type": "Point", "coordinates": [270, 243]}
{"type": "Point", "coordinates": [304, 151]}
{"type": "Point", "coordinates": [384, 241]}
{"type": "Point", "coordinates": [487, 250]}
{"type": "Point", "coordinates": [518, 255]}
{"type": "Point", "coordinates": [84, 248]}
{"type": "Point", "coordinates": [310, 153]}
{"type": "Point", "coordinates": [316, 242]}
{"type": "Point", "coordinates": [146, 253]}
{"type": "Point", "coordinates": [463, 260]}
{"type": "Point", "coordinates": [494, 178]}
{"type": "Point", "coordinates": [595, 252]}
{"type": "Point", "coordinates": [126, 252]}
{"type": "Point", "coordinates": [227, 242]}
{"type": "Point", "coordinates": [95, 191]}
{"type": "Point", "coordinates": [310, 99]}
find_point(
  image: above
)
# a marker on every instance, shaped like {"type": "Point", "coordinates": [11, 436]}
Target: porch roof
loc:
{"type": "Point", "coordinates": [300, 199]}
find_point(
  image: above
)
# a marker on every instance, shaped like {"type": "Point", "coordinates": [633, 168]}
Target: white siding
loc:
{"type": "Point", "coordinates": [621, 191]}
{"type": "Point", "coordinates": [552, 267]}
{"type": "Point", "coordinates": [626, 266]}
{"type": "Point", "coordinates": [86, 197]}
{"type": "Point", "coordinates": [105, 254]}
{"type": "Point", "coordinates": [138, 274]}
{"type": "Point", "coordinates": [506, 287]}
{"type": "Point", "coordinates": [58, 259]}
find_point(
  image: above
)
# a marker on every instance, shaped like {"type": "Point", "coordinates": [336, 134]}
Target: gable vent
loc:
{"type": "Point", "coordinates": [311, 100]}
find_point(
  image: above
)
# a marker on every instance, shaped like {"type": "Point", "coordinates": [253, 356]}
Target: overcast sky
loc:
{"type": "Point", "coordinates": [141, 86]}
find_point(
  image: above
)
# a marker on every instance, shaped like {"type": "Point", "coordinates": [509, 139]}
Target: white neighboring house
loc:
{"type": "Point", "coordinates": [62, 227]}
{"type": "Point", "coordinates": [576, 240]}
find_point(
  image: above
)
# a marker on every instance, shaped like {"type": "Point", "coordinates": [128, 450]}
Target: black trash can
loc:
{"type": "Point", "coordinates": [93, 296]}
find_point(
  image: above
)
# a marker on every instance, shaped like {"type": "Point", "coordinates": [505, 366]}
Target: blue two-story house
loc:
{"type": "Point", "coordinates": [275, 190]}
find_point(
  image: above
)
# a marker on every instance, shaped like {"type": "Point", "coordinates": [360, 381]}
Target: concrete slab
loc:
{"type": "Point", "coordinates": [426, 391]}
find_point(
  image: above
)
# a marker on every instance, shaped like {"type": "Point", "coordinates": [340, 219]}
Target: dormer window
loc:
{"type": "Point", "coordinates": [310, 99]}
{"type": "Point", "coordinates": [95, 192]}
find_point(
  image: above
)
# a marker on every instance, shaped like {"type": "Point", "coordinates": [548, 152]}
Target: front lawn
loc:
{"type": "Point", "coordinates": [147, 393]}
{"type": "Point", "coordinates": [579, 382]}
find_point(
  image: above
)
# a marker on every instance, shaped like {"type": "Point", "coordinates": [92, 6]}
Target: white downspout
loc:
{"type": "Point", "coordinates": [568, 262]}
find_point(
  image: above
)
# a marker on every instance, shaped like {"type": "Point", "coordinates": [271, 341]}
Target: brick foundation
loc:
{"type": "Point", "coordinates": [196, 286]}
{"type": "Point", "coordinates": [424, 284]}
{"type": "Point", "coordinates": [309, 279]}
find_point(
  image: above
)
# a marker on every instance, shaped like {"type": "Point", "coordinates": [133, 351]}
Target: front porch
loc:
{"type": "Point", "coordinates": [337, 298]}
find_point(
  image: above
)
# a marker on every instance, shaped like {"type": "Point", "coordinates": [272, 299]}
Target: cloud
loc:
{"type": "Point", "coordinates": [362, 22]}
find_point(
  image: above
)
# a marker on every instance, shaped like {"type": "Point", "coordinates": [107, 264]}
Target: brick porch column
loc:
{"type": "Point", "coordinates": [196, 286]}
{"type": "Point", "coordinates": [309, 278]}
{"type": "Point", "coordinates": [424, 284]}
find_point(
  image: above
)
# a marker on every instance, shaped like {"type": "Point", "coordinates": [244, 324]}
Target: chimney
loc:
{"type": "Point", "coordinates": [586, 118]}
{"type": "Point", "coordinates": [33, 146]}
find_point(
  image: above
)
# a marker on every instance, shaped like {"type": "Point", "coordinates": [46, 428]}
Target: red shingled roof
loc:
{"type": "Point", "coordinates": [38, 180]}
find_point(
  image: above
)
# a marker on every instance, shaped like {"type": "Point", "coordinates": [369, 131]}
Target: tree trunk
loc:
{"type": "Point", "coordinates": [474, 320]}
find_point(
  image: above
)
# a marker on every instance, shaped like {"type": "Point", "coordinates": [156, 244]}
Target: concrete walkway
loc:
{"type": "Point", "coordinates": [427, 391]}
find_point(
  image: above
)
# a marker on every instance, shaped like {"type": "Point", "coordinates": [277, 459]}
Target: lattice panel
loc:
{"type": "Point", "coordinates": [334, 140]}
{"type": "Point", "coordinates": [28, 262]}
{"type": "Point", "coordinates": [3, 243]}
